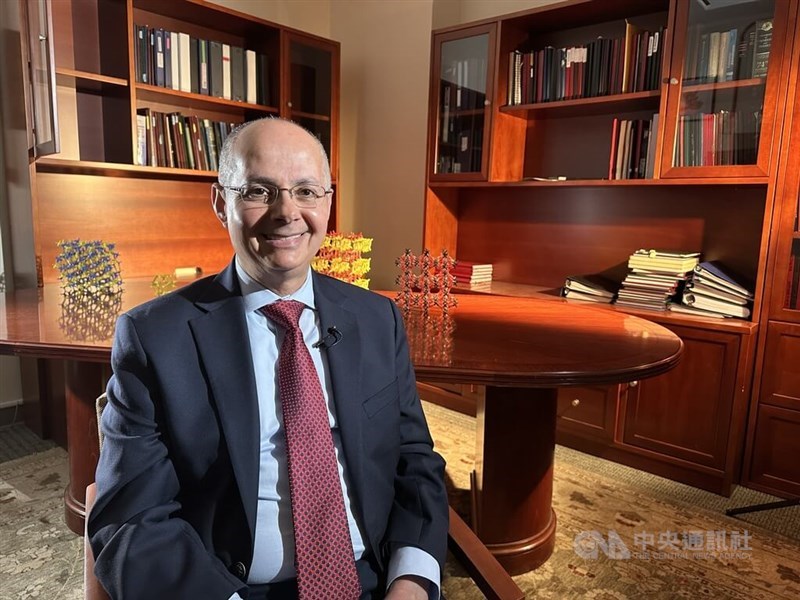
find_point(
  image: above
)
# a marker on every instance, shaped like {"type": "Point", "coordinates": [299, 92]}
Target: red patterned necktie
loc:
{"type": "Point", "coordinates": [324, 559]}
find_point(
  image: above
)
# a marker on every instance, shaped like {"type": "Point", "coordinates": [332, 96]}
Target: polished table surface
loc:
{"type": "Point", "coordinates": [521, 349]}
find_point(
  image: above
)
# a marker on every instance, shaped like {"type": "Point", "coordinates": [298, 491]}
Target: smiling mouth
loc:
{"type": "Point", "coordinates": [279, 240]}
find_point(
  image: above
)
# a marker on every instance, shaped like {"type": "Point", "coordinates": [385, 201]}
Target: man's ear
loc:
{"type": "Point", "coordinates": [218, 204]}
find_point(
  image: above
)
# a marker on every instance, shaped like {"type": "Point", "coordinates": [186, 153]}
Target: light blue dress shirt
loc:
{"type": "Point", "coordinates": [273, 554]}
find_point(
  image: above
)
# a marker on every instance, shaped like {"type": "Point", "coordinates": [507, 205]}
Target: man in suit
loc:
{"type": "Point", "coordinates": [211, 481]}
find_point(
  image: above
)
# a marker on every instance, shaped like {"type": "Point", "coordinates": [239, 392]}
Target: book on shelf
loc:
{"type": "Point", "coordinates": [251, 90]}
{"type": "Point", "coordinates": [715, 305]}
{"type": "Point", "coordinates": [168, 59]}
{"type": "Point", "coordinates": [226, 71]}
{"type": "Point", "coordinates": [691, 310]}
{"type": "Point", "coordinates": [175, 60]}
{"type": "Point", "coordinates": [632, 148]}
{"type": "Point", "coordinates": [712, 288]}
{"type": "Point", "coordinates": [753, 49]}
{"type": "Point", "coordinates": [215, 83]}
{"type": "Point", "coordinates": [593, 284]}
{"type": "Point", "coordinates": [185, 64]}
{"type": "Point", "coordinates": [194, 64]}
{"type": "Point", "coordinates": [702, 288]}
{"type": "Point", "coordinates": [664, 260]}
{"type": "Point", "coordinates": [470, 273]}
{"type": "Point", "coordinates": [715, 274]}
{"type": "Point", "coordinates": [141, 140]}
{"type": "Point", "coordinates": [572, 294]}
{"type": "Point", "coordinates": [160, 65]}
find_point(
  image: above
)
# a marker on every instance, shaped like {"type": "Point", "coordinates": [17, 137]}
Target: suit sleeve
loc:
{"type": "Point", "coordinates": [419, 514]}
{"type": "Point", "coordinates": [142, 549]}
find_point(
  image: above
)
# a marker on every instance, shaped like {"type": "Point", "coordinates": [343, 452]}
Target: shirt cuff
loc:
{"type": "Point", "coordinates": [409, 560]}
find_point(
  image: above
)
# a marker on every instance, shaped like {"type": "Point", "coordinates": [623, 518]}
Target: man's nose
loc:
{"type": "Point", "coordinates": [284, 205]}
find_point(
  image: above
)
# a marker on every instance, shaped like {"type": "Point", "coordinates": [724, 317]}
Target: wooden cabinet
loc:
{"type": "Point", "coordinates": [111, 85]}
{"type": "Point", "coordinates": [723, 88]}
{"type": "Point", "coordinates": [550, 198]}
{"type": "Point", "coordinates": [770, 462]}
{"type": "Point", "coordinates": [588, 412]}
{"type": "Point", "coordinates": [687, 414]}
{"type": "Point", "coordinates": [687, 424]}
{"type": "Point", "coordinates": [774, 442]}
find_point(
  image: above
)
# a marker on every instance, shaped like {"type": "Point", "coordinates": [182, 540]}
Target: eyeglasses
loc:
{"type": "Point", "coordinates": [305, 195]}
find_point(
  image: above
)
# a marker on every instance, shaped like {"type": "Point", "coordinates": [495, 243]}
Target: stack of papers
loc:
{"type": "Point", "coordinates": [656, 277]}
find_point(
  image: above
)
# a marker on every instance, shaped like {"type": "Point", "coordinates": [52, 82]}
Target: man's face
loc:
{"type": "Point", "coordinates": [275, 244]}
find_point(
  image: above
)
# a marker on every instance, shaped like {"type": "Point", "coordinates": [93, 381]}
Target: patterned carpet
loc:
{"type": "Point", "coordinates": [765, 564]}
{"type": "Point", "coordinates": [40, 558]}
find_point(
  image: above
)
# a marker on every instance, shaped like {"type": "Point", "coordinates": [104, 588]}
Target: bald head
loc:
{"type": "Point", "coordinates": [230, 159]}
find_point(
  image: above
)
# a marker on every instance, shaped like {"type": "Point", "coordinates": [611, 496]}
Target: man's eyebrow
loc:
{"type": "Point", "coordinates": [271, 181]}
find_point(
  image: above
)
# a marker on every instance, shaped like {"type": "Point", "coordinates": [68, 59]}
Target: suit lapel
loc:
{"type": "Point", "coordinates": [223, 345]}
{"type": "Point", "coordinates": [344, 363]}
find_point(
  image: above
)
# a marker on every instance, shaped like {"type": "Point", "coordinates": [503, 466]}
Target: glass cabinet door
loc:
{"type": "Point", "coordinates": [462, 81]}
{"type": "Point", "coordinates": [312, 90]}
{"type": "Point", "coordinates": [43, 134]}
{"type": "Point", "coordinates": [722, 91]}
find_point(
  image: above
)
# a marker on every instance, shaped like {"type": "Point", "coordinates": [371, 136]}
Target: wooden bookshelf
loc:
{"type": "Point", "coordinates": [99, 95]}
{"type": "Point", "coordinates": [536, 233]}
{"type": "Point", "coordinates": [774, 417]}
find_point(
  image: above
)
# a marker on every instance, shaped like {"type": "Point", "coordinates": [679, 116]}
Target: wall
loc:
{"type": "Point", "coordinates": [475, 10]}
{"type": "Point", "coordinates": [385, 70]}
{"type": "Point", "coordinates": [311, 16]}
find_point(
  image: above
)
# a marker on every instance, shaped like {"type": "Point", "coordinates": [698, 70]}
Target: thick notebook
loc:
{"type": "Point", "coordinates": [713, 271]}
{"type": "Point", "coordinates": [592, 283]}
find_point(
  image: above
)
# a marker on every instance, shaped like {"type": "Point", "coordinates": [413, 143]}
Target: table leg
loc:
{"type": "Point", "coordinates": [84, 383]}
{"type": "Point", "coordinates": [514, 475]}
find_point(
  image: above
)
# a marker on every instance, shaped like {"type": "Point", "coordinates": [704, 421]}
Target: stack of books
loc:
{"type": "Point", "coordinates": [472, 275]}
{"type": "Point", "coordinates": [590, 288]}
{"type": "Point", "coordinates": [656, 278]}
{"type": "Point", "coordinates": [711, 291]}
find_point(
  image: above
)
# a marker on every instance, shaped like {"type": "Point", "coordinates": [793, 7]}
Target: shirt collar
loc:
{"type": "Point", "coordinates": [256, 295]}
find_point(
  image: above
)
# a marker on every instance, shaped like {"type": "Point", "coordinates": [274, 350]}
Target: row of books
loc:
{"type": "Point", "coordinates": [721, 138]}
{"type": "Point", "coordinates": [662, 280]}
{"type": "Point", "coordinates": [728, 55]}
{"type": "Point", "coordinates": [602, 67]}
{"type": "Point", "coordinates": [464, 84]}
{"type": "Point", "coordinates": [462, 150]}
{"type": "Point", "coordinates": [633, 148]}
{"type": "Point", "coordinates": [176, 140]}
{"type": "Point", "coordinates": [179, 61]}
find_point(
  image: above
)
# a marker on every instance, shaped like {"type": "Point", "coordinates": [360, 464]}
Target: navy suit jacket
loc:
{"type": "Point", "coordinates": [177, 479]}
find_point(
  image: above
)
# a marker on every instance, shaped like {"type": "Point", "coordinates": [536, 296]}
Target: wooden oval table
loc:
{"type": "Point", "coordinates": [523, 350]}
